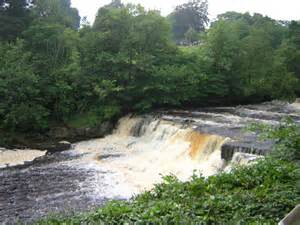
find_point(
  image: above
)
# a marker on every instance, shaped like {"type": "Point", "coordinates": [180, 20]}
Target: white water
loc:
{"type": "Point", "coordinates": [18, 157]}
{"type": "Point", "coordinates": [162, 148]}
{"type": "Point", "coordinates": [134, 158]}
{"type": "Point", "coordinates": [296, 105]}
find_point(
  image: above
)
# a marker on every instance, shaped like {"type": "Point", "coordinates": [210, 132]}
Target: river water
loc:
{"type": "Point", "coordinates": [139, 152]}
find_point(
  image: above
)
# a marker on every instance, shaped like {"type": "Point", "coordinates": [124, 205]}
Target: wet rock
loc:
{"type": "Point", "coordinates": [139, 129]}
{"type": "Point", "coordinates": [244, 158]}
{"type": "Point", "coordinates": [52, 147]}
{"type": "Point", "coordinates": [60, 146]}
{"type": "Point", "coordinates": [108, 156]}
{"type": "Point", "coordinates": [231, 122]}
{"type": "Point", "coordinates": [79, 134]}
{"type": "Point", "coordinates": [59, 132]}
{"type": "Point", "coordinates": [230, 148]}
{"type": "Point", "coordinates": [52, 141]}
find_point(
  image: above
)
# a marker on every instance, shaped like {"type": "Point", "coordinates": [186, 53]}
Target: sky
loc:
{"type": "Point", "coordinates": [276, 9]}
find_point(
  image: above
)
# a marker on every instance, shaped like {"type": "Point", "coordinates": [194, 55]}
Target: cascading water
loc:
{"type": "Point", "coordinates": [147, 149]}
{"type": "Point", "coordinates": [135, 157]}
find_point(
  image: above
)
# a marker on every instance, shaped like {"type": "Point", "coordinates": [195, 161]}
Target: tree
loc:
{"type": "Point", "coordinates": [293, 59]}
{"type": "Point", "coordinates": [232, 16]}
{"type": "Point", "coordinates": [193, 15]}
{"type": "Point", "coordinates": [21, 106]}
{"type": "Point", "coordinates": [115, 4]}
{"type": "Point", "coordinates": [55, 59]}
{"type": "Point", "coordinates": [191, 36]}
{"type": "Point", "coordinates": [132, 45]}
{"type": "Point", "coordinates": [128, 62]}
{"type": "Point", "coordinates": [290, 50]}
{"type": "Point", "coordinates": [56, 11]}
{"type": "Point", "coordinates": [243, 51]}
{"type": "Point", "coordinates": [14, 18]}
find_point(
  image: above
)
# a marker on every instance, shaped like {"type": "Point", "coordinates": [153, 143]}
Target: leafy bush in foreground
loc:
{"type": "Point", "coordinates": [258, 194]}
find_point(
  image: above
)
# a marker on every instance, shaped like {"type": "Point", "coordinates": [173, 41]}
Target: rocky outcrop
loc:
{"type": "Point", "coordinates": [58, 138]}
{"type": "Point", "coordinates": [78, 134]}
{"type": "Point", "coordinates": [232, 123]}
{"type": "Point", "coordinates": [228, 149]}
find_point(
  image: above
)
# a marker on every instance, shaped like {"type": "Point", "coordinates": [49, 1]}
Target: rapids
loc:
{"type": "Point", "coordinates": [133, 158]}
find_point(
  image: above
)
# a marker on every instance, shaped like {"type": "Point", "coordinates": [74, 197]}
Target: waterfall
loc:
{"type": "Point", "coordinates": [143, 149]}
{"type": "Point", "coordinates": [134, 157]}
{"type": "Point", "coordinates": [203, 145]}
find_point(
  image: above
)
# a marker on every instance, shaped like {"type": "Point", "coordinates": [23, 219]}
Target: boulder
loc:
{"type": "Point", "coordinates": [63, 145]}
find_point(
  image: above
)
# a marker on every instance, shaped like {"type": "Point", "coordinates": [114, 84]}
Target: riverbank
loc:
{"type": "Point", "coordinates": [58, 138]}
{"type": "Point", "coordinates": [134, 157]}
{"type": "Point", "coordinates": [55, 139]}
{"type": "Point", "coordinates": [260, 193]}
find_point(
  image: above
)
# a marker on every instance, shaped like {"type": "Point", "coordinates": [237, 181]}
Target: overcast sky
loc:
{"type": "Point", "coordinates": [277, 9]}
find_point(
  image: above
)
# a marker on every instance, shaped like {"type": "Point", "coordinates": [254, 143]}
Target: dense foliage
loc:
{"type": "Point", "coordinates": [262, 193]}
{"type": "Point", "coordinates": [14, 18]}
{"type": "Point", "coordinates": [52, 71]}
{"type": "Point", "coordinates": [190, 17]}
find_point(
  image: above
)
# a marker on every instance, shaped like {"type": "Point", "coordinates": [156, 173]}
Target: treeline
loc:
{"type": "Point", "coordinates": [54, 71]}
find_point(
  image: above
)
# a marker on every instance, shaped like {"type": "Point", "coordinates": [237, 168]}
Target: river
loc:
{"type": "Point", "coordinates": [133, 158]}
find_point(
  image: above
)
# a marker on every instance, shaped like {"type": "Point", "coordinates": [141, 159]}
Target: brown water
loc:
{"type": "Point", "coordinates": [133, 158]}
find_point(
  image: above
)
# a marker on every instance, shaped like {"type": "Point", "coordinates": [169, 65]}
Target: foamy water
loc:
{"type": "Point", "coordinates": [160, 148]}
{"type": "Point", "coordinates": [139, 152]}
{"type": "Point", "coordinates": [18, 157]}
